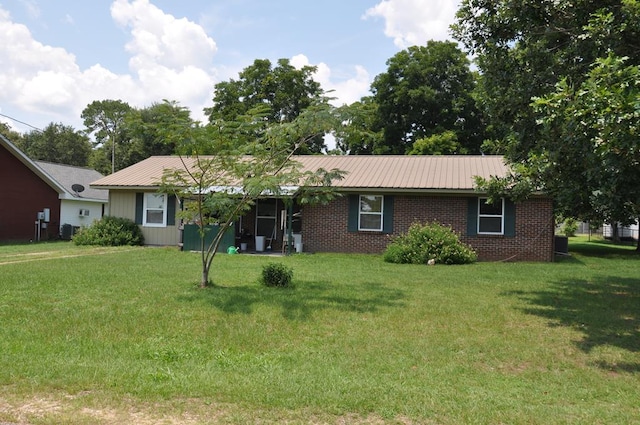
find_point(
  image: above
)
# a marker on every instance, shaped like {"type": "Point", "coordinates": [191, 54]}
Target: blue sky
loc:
{"type": "Point", "coordinates": [57, 56]}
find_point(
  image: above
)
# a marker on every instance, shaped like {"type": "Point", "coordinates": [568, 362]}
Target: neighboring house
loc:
{"type": "Point", "coordinates": [383, 196]}
{"type": "Point", "coordinates": [40, 198]}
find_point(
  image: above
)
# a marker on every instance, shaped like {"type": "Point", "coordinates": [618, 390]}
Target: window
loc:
{"type": "Point", "coordinates": [490, 217]}
{"type": "Point", "coordinates": [370, 212]}
{"type": "Point", "coordinates": [155, 210]}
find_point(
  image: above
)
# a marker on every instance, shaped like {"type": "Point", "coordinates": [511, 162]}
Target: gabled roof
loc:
{"type": "Point", "coordinates": [446, 173]}
{"type": "Point", "coordinates": [69, 177]}
{"type": "Point", "coordinates": [58, 176]}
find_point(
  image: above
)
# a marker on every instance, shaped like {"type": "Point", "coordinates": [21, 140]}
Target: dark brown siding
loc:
{"type": "Point", "coordinates": [22, 195]}
{"type": "Point", "coordinates": [324, 228]}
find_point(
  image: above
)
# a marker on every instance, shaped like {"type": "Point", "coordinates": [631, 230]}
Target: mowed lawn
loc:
{"type": "Point", "coordinates": [123, 335]}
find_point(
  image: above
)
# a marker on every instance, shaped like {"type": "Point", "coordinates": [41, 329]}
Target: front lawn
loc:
{"type": "Point", "coordinates": [123, 335]}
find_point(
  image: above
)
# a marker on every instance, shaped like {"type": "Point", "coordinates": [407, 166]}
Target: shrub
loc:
{"type": "Point", "coordinates": [431, 241]}
{"type": "Point", "coordinates": [570, 227]}
{"type": "Point", "coordinates": [276, 274]}
{"type": "Point", "coordinates": [110, 231]}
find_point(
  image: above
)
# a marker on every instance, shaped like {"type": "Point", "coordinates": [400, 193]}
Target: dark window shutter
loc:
{"type": "Point", "coordinates": [171, 210]}
{"type": "Point", "coordinates": [509, 218]}
{"type": "Point", "coordinates": [354, 209]}
{"type": "Point", "coordinates": [472, 217]}
{"type": "Point", "coordinates": [387, 215]}
{"type": "Point", "coordinates": [139, 207]}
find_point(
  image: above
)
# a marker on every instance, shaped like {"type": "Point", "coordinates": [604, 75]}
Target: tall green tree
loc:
{"type": "Point", "coordinates": [144, 130]}
{"type": "Point", "coordinates": [105, 119]}
{"type": "Point", "coordinates": [358, 135]}
{"type": "Point", "coordinates": [281, 92]}
{"type": "Point", "coordinates": [219, 188]}
{"type": "Point", "coordinates": [524, 48]}
{"type": "Point", "coordinates": [589, 153]}
{"type": "Point", "coordinates": [425, 91]}
{"type": "Point", "coordinates": [57, 143]}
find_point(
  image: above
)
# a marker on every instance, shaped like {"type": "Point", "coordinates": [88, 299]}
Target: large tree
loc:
{"type": "Point", "coordinates": [588, 155]}
{"type": "Point", "coordinates": [57, 143]}
{"type": "Point", "coordinates": [524, 48]}
{"type": "Point", "coordinates": [281, 92]}
{"type": "Point", "coordinates": [426, 91]}
{"type": "Point", "coordinates": [105, 119]}
{"type": "Point", "coordinates": [144, 128]}
{"type": "Point", "coordinates": [359, 134]}
{"type": "Point", "coordinates": [222, 186]}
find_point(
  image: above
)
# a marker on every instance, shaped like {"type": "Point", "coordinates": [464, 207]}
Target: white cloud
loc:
{"type": "Point", "coordinates": [170, 59]}
{"type": "Point", "coordinates": [414, 22]}
{"type": "Point", "coordinates": [345, 91]}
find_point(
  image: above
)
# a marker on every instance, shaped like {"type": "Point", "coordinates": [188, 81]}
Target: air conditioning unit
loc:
{"type": "Point", "coordinates": [83, 213]}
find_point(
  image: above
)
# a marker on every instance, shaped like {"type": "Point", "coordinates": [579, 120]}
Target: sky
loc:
{"type": "Point", "coordinates": [58, 56]}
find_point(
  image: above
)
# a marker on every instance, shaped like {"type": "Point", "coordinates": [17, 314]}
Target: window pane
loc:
{"type": "Point", "coordinates": [490, 225]}
{"type": "Point", "coordinates": [370, 222]}
{"type": "Point", "coordinates": [266, 208]}
{"type": "Point", "coordinates": [370, 203]}
{"type": "Point", "coordinates": [490, 209]}
{"type": "Point", "coordinates": [155, 201]}
{"type": "Point", "coordinates": [155, 216]}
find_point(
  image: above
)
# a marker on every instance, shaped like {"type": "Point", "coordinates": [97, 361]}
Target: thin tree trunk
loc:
{"type": "Point", "coordinates": [204, 281]}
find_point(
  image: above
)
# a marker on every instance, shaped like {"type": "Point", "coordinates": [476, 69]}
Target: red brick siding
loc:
{"type": "Point", "coordinates": [324, 227]}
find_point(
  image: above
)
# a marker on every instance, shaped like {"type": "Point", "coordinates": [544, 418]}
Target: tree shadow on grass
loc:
{"type": "Point", "coordinates": [299, 302]}
{"type": "Point", "coordinates": [606, 310]}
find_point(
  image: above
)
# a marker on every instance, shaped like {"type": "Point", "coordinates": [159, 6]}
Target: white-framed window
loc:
{"type": "Point", "coordinates": [370, 213]}
{"type": "Point", "coordinates": [490, 217]}
{"type": "Point", "coordinates": [154, 210]}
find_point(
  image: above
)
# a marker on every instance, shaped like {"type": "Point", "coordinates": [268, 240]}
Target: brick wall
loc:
{"type": "Point", "coordinates": [324, 227]}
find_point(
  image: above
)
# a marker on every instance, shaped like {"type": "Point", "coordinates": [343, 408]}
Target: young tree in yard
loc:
{"type": "Point", "coordinates": [225, 170]}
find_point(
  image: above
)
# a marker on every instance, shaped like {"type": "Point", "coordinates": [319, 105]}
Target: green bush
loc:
{"type": "Point", "coordinates": [570, 227]}
{"type": "Point", "coordinates": [429, 242]}
{"type": "Point", "coordinates": [276, 274]}
{"type": "Point", "coordinates": [110, 231]}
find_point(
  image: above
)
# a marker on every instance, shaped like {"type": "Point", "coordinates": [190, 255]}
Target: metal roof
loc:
{"type": "Point", "coordinates": [381, 172]}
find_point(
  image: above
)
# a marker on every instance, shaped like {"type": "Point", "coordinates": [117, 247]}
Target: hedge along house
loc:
{"type": "Point", "coordinates": [42, 200]}
{"type": "Point", "coordinates": [382, 197]}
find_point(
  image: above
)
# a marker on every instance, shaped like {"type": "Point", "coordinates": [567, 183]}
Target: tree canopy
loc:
{"type": "Point", "coordinates": [523, 49]}
{"type": "Point", "coordinates": [57, 143]}
{"type": "Point", "coordinates": [426, 91]}
{"type": "Point", "coordinates": [105, 119]}
{"type": "Point", "coordinates": [279, 92]}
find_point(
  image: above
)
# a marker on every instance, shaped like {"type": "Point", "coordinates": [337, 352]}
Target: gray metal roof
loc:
{"type": "Point", "coordinates": [445, 173]}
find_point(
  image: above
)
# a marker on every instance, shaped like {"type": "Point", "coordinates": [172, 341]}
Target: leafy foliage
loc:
{"type": "Point", "coordinates": [58, 143]}
{"type": "Point", "coordinates": [110, 231]}
{"type": "Point", "coordinates": [427, 90]}
{"type": "Point", "coordinates": [430, 242]}
{"type": "Point", "coordinates": [570, 227]}
{"type": "Point", "coordinates": [525, 48]}
{"type": "Point", "coordinates": [280, 92]}
{"type": "Point", "coordinates": [276, 274]}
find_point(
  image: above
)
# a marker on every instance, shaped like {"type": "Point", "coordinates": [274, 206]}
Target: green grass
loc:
{"type": "Point", "coordinates": [122, 335]}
